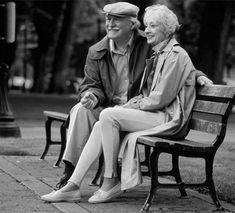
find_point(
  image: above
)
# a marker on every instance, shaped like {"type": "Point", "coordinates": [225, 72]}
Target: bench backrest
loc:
{"type": "Point", "coordinates": [211, 110]}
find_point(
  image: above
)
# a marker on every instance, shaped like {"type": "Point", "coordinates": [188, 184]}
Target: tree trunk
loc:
{"type": "Point", "coordinates": [215, 26]}
{"type": "Point", "coordinates": [39, 70]}
{"type": "Point", "coordinates": [46, 17]}
{"type": "Point", "coordinates": [64, 47]}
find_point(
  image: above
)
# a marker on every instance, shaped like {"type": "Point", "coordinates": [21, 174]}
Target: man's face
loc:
{"type": "Point", "coordinates": [153, 30]}
{"type": "Point", "coordinates": [118, 28]}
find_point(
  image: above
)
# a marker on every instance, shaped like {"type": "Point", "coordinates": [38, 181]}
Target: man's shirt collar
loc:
{"type": "Point", "coordinates": [128, 46]}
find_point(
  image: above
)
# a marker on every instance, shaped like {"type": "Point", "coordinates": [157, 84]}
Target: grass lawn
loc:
{"type": "Point", "coordinates": [28, 112]}
{"type": "Point", "coordinates": [25, 146]}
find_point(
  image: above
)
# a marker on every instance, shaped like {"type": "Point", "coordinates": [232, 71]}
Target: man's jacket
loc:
{"type": "Point", "coordinates": [100, 71]}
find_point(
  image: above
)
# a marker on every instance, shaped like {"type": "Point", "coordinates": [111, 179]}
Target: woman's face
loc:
{"type": "Point", "coordinates": [153, 29]}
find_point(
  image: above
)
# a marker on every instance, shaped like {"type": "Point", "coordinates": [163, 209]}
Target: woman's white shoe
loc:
{"type": "Point", "coordinates": [101, 196]}
{"type": "Point", "coordinates": [57, 196]}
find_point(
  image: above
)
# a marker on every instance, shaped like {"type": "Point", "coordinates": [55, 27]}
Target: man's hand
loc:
{"type": "Point", "coordinates": [204, 81]}
{"type": "Point", "coordinates": [89, 100]}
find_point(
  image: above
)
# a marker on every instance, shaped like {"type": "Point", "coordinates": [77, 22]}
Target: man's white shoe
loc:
{"type": "Point", "coordinates": [57, 196]}
{"type": "Point", "coordinates": [101, 196]}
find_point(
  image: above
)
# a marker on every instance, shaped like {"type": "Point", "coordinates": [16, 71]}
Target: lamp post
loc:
{"type": "Point", "coordinates": [8, 126]}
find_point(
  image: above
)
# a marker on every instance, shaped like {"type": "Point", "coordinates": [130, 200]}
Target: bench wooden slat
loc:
{"type": "Point", "coordinates": [151, 140]}
{"type": "Point", "coordinates": [211, 127]}
{"type": "Point", "coordinates": [56, 115]}
{"type": "Point", "coordinates": [210, 107]}
{"type": "Point", "coordinates": [217, 91]}
{"type": "Point", "coordinates": [155, 141]}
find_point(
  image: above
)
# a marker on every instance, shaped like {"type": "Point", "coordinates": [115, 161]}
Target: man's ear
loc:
{"type": "Point", "coordinates": [133, 26]}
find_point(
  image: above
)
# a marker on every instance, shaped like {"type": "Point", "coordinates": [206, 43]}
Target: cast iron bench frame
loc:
{"type": "Point", "coordinates": [210, 114]}
{"type": "Point", "coordinates": [53, 116]}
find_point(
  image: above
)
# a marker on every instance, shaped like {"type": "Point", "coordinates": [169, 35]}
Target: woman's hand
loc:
{"type": "Point", "coordinates": [133, 103]}
{"type": "Point", "coordinates": [204, 81]}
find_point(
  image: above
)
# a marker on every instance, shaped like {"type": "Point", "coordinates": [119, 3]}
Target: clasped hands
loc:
{"type": "Point", "coordinates": [133, 103]}
{"type": "Point", "coordinates": [89, 100]}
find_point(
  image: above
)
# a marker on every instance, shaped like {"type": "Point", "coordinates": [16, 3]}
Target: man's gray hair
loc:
{"type": "Point", "coordinates": [136, 22]}
{"type": "Point", "coordinates": [165, 17]}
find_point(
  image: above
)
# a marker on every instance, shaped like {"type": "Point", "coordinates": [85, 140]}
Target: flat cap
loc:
{"type": "Point", "coordinates": [121, 9]}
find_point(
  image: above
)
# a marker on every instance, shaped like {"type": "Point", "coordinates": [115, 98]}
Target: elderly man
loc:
{"type": "Point", "coordinates": [113, 72]}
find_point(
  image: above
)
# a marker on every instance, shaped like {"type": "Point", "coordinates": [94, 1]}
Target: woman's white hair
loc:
{"type": "Point", "coordinates": [164, 17]}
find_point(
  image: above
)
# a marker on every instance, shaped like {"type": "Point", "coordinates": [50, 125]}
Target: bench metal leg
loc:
{"type": "Point", "coordinates": [147, 151]}
{"type": "Point", "coordinates": [154, 180]}
{"type": "Point", "coordinates": [147, 154]}
{"type": "Point", "coordinates": [48, 137]}
{"type": "Point", "coordinates": [210, 182]}
{"type": "Point", "coordinates": [63, 144]}
{"type": "Point", "coordinates": [176, 172]}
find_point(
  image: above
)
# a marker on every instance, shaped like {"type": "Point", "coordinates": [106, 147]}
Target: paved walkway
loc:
{"type": "Point", "coordinates": [38, 177]}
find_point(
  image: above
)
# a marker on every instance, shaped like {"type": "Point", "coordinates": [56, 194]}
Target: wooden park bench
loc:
{"type": "Point", "coordinates": [210, 114]}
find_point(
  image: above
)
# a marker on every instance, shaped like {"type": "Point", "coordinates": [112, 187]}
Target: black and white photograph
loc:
{"type": "Point", "coordinates": [117, 106]}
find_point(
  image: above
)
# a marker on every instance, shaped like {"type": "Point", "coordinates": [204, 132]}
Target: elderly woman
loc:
{"type": "Point", "coordinates": [167, 94]}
